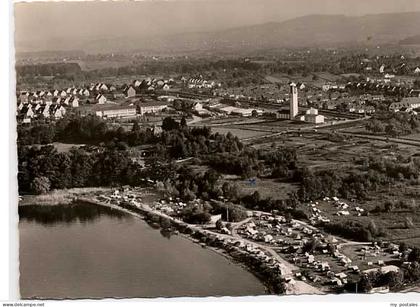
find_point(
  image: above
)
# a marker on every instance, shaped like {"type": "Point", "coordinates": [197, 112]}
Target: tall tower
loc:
{"type": "Point", "coordinates": [293, 100]}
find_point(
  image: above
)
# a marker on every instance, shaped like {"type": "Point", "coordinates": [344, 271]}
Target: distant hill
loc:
{"type": "Point", "coordinates": [412, 40]}
{"type": "Point", "coordinates": [312, 30]}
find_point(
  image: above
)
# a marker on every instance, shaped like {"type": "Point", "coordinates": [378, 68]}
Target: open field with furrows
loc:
{"type": "Point", "coordinates": [276, 126]}
{"type": "Point", "coordinates": [224, 120]}
{"type": "Point", "coordinates": [414, 136]}
{"type": "Point", "coordinates": [322, 151]}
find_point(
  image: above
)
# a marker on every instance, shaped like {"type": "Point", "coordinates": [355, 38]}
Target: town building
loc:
{"type": "Point", "coordinates": [152, 107]}
{"type": "Point", "coordinates": [293, 100]}
{"type": "Point", "coordinates": [311, 116]}
{"type": "Point", "coordinates": [409, 103]}
{"type": "Point", "coordinates": [116, 111]}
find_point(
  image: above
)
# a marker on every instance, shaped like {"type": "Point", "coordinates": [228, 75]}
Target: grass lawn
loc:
{"type": "Point", "coordinates": [266, 187]}
{"type": "Point", "coordinates": [64, 147]}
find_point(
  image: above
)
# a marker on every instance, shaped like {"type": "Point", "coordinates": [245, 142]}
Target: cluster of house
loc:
{"type": "Point", "coordinates": [46, 104]}
{"type": "Point", "coordinates": [376, 87]}
{"type": "Point", "coordinates": [96, 99]}
{"type": "Point", "coordinates": [407, 104]}
{"type": "Point", "coordinates": [199, 83]}
{"type": "Point", "coordinates": [402, 66]}
{"type": "Point", "coordinates": [387, 69]}
{"type": "Point", "coordinates": [146, 85]}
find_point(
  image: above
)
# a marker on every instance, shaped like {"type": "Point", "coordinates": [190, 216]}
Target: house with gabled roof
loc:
{"type": "Point", "coordinates": [85, 92]}
{"type": "Point", "coordinates": [43, 111]}
{"type": "Point", "coordinates": [100, 99]}
{"type": "Point", "coordinates": [136, 83]}
{"type": "Point", "coordinates": [414, 93]}
{"type": "Point", "coordinates": [57, 111]}
{"type": "Point", "coordinates": [130, 91]}
{"type": "Point", "coordinates": [57, 100]}
{"type": "Point", "coordinates": [74, 102]}
{"type": "Point", "coordinates": [27, 111]}
{"type": "Point", "coordinates": [67, 100]}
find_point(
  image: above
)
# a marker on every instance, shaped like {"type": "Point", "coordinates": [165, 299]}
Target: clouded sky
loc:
{"type": "Point", "coordinates": [98, 19]}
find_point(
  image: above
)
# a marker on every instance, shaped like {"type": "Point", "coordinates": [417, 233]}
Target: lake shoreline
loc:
{"type": "Point", "coordinates": [196, 235]}
{"type": "Point", "coordinates": [59, 197]}
{"type": "Point", "coordinates": [221, 246]}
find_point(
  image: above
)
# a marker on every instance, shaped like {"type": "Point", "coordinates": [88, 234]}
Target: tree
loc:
{"type": "Point", "coordinates": [169, 123]}
{"type": "Point", "coordinates": [40, 185]}
{"type": "Point", "coordinates": [375, 126]}
{"type": "Point", "coordinates": [392, 129]}
{"type": "Point", "coordinates": [414, 255]}
{"type": "Point", "coordinates": [183, 122]}
{"type": "Point", "coordinates": [365, 283]}
{"type": "Point", "coordinates": [389, 206]}
{"type": "Point", "coordinates": [310, 246]}
{"type": "Point", "coordinates": [136, 126]}
{"type": "Point", "coordinates": [373, 228]}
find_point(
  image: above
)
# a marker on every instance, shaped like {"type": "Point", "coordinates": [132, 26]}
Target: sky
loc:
{"type": "Point", "coordinates": [43, 21]}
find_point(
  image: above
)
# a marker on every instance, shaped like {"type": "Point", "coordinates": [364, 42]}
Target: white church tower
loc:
{"type": "Point", "coordinates": [293, 100]}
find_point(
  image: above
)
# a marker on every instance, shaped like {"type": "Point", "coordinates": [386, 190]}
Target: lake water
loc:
{"type": "Point", "coordinates": [88, 251]}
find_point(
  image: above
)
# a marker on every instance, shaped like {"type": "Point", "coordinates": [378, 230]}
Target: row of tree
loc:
{"type": "Point", "coordinates": [373, 174]}
{"type": "Point", "coordinates": [394, 124]}
{"type": "Point", "coordinates": [82, 129]}
{"type": "Point", "coordinates": [41, 169]}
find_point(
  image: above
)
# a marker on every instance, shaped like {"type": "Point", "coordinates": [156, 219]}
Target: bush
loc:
{"type": "Point", "coordinates": [195, 215]}
{"type": "Point", "coordinates": [350, 230]}
{"type": "Point", "coordinates": [40, 185]}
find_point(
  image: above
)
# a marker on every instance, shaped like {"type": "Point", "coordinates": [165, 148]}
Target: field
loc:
{"type": "Point", "coordinates": [64, 147]}
{"type": "Point", "coordinates": [59, 197]}
{"type": "Point", "coordinates": [240, 133]}
{"type": "Point", "coordinates": [266, 187]}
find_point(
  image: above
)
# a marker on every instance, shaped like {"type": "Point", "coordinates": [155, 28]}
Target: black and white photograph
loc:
{"type": "Point", "coordinates": [216, 148]}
